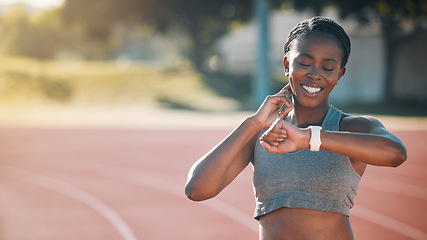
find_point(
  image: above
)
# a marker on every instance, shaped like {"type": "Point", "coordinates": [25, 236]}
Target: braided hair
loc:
{"type": "Point", "coordinates": [321, 25]}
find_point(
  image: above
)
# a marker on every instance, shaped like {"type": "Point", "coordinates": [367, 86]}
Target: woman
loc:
{"type": "Point", "coordinates": [309, 157]}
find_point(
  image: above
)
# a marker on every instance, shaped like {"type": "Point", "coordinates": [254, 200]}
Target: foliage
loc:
{"type": "Point", "coordinates": [85, 26]}
{"type": "Point", "coordinates": [39, 37]}
{"type": "Point", "coordinates": [43, 35]}
{"type": "Point", "coordinates": [400, 21]}
{"type": "Point", "coordinates": [202, 21]}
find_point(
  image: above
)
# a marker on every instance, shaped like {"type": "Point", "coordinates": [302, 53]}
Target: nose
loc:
{"type": "Point", "coordinates": [314, 73]}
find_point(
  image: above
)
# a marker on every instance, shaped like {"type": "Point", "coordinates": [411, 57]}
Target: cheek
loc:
{"type": "Point", "coordinates": [333, 79]}
{"type": "Point", "coordinates": [293, 66]}
{"type": "Point", "coordinates": [297, 71]}
{"type": "Point", "coordinates": [296, 74]}
{"type": "Point", "coordinates": [331, 84]}
{"type": "Point", "coordinates": [294, 79]}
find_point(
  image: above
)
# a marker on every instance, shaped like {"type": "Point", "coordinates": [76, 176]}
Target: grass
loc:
{"type": "Point", "coordinates": [70, 93]}
{"type": "Point", "coordinates": [30, 81]}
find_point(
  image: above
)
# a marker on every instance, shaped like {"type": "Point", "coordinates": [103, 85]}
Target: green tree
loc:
{"type": "Point", "coordinates": [202, 21]}
{"type": "Point", "coordinates": [400, 21]}
{"type": "Point", "coordinates": [40, 36]}
{"type": "Point", "coordinates": [14, 23]}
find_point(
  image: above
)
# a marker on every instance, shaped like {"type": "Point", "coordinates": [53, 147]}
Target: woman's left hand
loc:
{"type": "Point", "coordinates": [283, 137]}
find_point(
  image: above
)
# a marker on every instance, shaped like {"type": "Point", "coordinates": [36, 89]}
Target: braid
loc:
{"type": "Point", "coordinates": [322, 25]}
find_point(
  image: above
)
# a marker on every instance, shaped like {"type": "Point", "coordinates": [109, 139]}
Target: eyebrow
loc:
{"type": "Point", "coordinates": [310, 56]}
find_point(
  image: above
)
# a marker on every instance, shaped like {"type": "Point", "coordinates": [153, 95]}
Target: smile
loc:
{"type": "Point", "coordinates": [312, 90]}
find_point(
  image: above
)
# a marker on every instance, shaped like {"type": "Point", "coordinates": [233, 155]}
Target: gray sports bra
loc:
{"type": "Point", "coordinates": [322, 181]}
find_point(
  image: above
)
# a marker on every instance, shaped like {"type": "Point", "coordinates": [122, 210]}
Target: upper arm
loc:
{"type": "Point", "coordinates": [366, 124]}
{"type": "Point", "coordinates": [241, 161]}
{"type": "Point", "coordinates": [372, 126]}
{"type": "Point", "coordinates": [220, 166]}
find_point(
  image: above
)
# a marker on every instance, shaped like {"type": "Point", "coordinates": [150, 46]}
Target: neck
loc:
{"type": "Point", "coordinates": [307, 116]}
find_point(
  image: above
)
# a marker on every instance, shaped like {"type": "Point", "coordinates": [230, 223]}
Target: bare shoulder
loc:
{"type": "Point", "coordinates": [361, 124]}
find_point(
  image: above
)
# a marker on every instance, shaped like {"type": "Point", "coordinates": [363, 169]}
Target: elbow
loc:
{"type": "Point", "coordinates": [194, 193]}
{"type": "Point", "coordinates": [191, 194]}
{"type": "Point", "coordinates": [399, 157]}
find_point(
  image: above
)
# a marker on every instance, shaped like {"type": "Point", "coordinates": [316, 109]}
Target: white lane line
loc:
{"type": "Point", "coordinates": [159, 184]}
{"type": "Point", "coordinates": [241, 217]}
{"type": "Point", "coordinates": [168, 187]}
{"type": "Point", "coordinates": [394, 187]}
{"type": "Point", "coordinates": [75, 193]}
{"type": "Point", "coordinates": [387, 222]}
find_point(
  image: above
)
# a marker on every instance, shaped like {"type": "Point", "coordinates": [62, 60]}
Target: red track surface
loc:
{"type": "Point", "coordinates": [128, 184]}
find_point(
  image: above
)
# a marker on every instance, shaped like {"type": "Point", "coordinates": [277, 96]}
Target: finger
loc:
{"type": "Point", "coordinates": [289, 89]}
{"type": "Point", "coordinates": [283, 125]}
{"type": "Point", "coordinates": [269, 148]}
{"type": "Point", "coordinates": [288, 96]}
{"type": "Point", "coordinates": [276, 130]}
{"type": "Point", "coordinates": [275, 103]}
{"type": "Point", "coordinates": [285, 112]}
{"type": "Point", "coordinates": [275, 127]}
{"type": "Point", "coordinates": [274, 124]}
{"type": "Point", "coordinates": [273, 139]}
{"type": "Point", "coordinates": [278, 99]}
{"type": "Point", "coordinates": [286, 88]}
{"type": "Point", "coordinates": [286, 102]}
{"type": "Point", "coordinates": [274, 135]}
{"type": "Point", "coordinates": [286, 93]}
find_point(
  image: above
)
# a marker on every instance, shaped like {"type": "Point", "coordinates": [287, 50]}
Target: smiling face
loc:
{"type": "Point", "coordinates": [313, 65]}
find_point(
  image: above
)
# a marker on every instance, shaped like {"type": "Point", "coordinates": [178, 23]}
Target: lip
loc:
{"type": "Point", "coordinates": [310, 89]}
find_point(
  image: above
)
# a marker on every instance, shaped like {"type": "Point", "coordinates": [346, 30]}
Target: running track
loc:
{"type": "Point", "coordinates": [128, 184]}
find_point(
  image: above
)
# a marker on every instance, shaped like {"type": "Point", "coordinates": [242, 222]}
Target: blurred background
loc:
{"type": "Point", "coordinates": [106, 104]}
{"type": "Point", "coordinates": [59, 55]}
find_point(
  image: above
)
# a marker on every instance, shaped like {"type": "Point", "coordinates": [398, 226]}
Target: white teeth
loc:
{"type": "Point", "coordinates": [312, 90]}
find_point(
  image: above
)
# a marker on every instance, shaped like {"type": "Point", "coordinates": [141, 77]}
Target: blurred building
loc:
{"type": "Point", "coordinates": [364, 78]}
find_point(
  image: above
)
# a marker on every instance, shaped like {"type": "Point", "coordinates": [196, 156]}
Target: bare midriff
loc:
{"type": "Point", "coordinates": [304, 224]}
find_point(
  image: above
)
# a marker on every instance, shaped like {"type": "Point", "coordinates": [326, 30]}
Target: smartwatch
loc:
{"type": "Point", "coordinates": [315, 141]}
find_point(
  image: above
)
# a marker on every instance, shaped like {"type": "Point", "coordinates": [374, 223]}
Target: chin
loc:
{"type": "Point", "coordinates": [311, 103]}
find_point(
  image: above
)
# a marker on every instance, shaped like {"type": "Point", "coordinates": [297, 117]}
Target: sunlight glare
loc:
{"type": "Point", "coordinates": [34, 3]}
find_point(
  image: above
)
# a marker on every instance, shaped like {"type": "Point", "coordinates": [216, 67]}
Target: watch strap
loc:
{"type": "Point", "coordinates": [315, 141]}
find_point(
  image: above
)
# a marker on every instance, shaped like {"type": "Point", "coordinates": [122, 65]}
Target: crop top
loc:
{"type": "Point", "coordinates": [323, 181]}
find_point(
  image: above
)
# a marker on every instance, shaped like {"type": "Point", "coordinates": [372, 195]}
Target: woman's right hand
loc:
{"type": "Point", "coordinates": [269, 110]}
{"type": "Point", "coordinates": [217, 169]}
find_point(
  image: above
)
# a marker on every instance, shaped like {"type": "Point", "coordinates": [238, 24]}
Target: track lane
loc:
{"type": "Point", "coordinates": [29, 212]}
{"type": "Point", "coordinates": [54, 153]}
{"type": "Point", "coordinates": [75, 193]}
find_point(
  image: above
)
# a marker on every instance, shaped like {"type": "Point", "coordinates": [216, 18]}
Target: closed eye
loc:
{"type": "Point", "coordinates": [303, 65]}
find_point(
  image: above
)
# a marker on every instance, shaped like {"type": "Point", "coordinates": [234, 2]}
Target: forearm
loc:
{"type": "Point", "coordinates": [215, 170]}
{"type": "Point", "coordinates": [368, 148]}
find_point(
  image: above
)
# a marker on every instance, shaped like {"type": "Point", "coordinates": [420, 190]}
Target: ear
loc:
{"type": "Point", "coordinates": [286, 66]}
{"type": "Point", "coordinates": [342, 72]}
